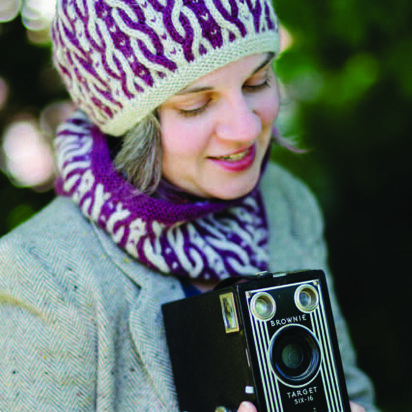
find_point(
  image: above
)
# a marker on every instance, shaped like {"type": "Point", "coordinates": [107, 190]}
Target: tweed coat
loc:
{"type": "Point", "coordinates": [80, 321]}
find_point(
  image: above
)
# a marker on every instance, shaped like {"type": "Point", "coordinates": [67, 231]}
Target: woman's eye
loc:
{"type": "Point", "coordinates": [258, 86]}
{"type": "Point", "coordinates": [194, 112]}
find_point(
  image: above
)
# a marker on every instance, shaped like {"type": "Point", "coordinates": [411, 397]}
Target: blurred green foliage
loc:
{"type": "Point", "coordinates": [348, 72]}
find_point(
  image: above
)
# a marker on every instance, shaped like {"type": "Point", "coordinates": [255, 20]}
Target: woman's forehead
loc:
{"type": "Point", "coordinates": [247, 66]}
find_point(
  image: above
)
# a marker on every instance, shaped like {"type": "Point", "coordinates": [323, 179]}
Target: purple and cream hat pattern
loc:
{"type": "Point", "coordinates": [120, 59]}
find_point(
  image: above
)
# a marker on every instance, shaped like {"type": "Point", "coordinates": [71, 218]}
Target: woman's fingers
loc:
{"type": "Point", "coordinates": [354, 407]}
{"type": "Point", "coordinates": [247, 407]}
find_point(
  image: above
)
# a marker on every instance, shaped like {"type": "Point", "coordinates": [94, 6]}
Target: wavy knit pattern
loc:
{"type": "Point", "coordinates": [120, 59]}
{"type": "Point", "coordinates": [204, 240]}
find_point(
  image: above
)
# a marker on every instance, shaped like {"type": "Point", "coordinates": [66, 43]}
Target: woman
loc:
{"type": "Point", "coordinates": [165, 189]}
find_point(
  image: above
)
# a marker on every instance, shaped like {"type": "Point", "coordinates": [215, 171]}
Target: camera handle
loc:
{"type": "Point", "coordinates": [244, 278]}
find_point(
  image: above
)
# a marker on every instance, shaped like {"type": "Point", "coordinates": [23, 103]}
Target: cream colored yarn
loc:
{"type": "Point", "coordinates": [120, 59]}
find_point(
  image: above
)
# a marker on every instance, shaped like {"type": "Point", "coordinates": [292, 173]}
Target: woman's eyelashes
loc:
{"type": "Point", "coordinates": [249, 87]}
{"type": "Point", "coordinates": [196, 111]}
{"type": "Point", "coordinates": [257, 87]}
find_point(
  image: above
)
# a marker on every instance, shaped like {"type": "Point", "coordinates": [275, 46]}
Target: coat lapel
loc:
{"type": "Point", "coordinates": [146, 325]}
{"type": "Point", "coordinates": [146, 321]}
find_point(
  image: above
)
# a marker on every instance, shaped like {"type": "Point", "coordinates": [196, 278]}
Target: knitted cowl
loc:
{"type": "Point", "coordinates": [203, 239]}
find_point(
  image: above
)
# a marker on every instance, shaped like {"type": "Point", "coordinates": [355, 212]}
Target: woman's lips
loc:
{"type": "Point", "coordinates": [237, 161]}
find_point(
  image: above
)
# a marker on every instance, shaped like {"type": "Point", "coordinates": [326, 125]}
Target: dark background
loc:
{"type": "Point", "coordinates": [348, 77]}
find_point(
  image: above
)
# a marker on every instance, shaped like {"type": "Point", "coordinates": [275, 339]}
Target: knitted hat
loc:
{"type": "Point", "coordinates": [120, 59]}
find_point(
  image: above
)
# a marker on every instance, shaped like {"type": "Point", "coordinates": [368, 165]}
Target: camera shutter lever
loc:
{"type": "Point", "coordinates": [249, 390]}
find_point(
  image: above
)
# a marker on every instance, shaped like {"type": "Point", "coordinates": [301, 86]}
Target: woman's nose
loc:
{"type": "Point", "coordinates": [238, 121]}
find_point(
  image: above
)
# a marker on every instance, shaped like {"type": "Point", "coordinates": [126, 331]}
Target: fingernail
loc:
{"type": "Point", "coordinates": [247, 407]}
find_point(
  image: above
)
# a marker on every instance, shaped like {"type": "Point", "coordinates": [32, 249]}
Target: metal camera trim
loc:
{"type": "Point", "coordinates": [313, 294]}
{"type": "Point", "coordinates": [268, 299]}
{"type": "Point", "coordinates": [229, 314]}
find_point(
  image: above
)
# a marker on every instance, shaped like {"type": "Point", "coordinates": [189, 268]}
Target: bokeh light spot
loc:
{"type": "Point", "coordinates": [29, 158]}
{"type": "Point", "coordinates": [9, 9]}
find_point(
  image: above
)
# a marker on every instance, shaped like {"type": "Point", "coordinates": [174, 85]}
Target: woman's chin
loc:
{"type": "Point", "coordinates": [233, 190]}
{"type": "Point", "coordinates": [221, 185]}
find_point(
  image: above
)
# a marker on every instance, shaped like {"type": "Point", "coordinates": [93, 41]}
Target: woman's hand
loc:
{"type": "Point", "coordinates": [354, 407]}
{"type": "Point", "coordinates": [249, 407]}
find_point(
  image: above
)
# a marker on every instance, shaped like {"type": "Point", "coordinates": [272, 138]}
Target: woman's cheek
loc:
{"type": "Point", "coordinates": [269, 111]}
{"type": "Point", "coordinates": [186, 138]}
{"type": "Point", "coordinates": [268, 106]}
{"type": "Point", "coordinates": [196, 131]}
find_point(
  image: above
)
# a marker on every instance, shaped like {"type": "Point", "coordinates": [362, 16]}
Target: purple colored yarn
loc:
{"type": "Point", "coordinates": [123, 45]}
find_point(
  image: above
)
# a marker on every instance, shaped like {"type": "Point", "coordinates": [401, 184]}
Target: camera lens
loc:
{"type": "Point", "coordinates": [292, 356]}
{"type": "Point", "coordinates": [263, 306]}
{"type": "Point", "coordinates": [306, 298]}
{"type": "Point", "coordinates": [295, 354]}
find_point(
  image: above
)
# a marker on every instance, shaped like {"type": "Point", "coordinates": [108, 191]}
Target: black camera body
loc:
{"type": "Point", "coordinates": [270, 340]}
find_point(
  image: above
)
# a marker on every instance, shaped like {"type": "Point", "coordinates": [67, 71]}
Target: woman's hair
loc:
{"type": "Point", "coordinates": [140, 156]}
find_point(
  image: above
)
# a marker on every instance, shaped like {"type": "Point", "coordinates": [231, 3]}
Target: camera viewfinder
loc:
{"type": "Point", "coordinates": [306, 298]}
{"type": "Point", "coordinates": [263, 306]}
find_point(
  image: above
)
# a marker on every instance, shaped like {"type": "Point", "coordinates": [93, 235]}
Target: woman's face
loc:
{"type": "Point", "coordinates": [216, 131]}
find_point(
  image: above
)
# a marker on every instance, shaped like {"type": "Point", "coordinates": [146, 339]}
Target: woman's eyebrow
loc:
{"type": "Point", "coordinates": [187, 90]}
{"type": "Point", "coordinates": [269, 57]}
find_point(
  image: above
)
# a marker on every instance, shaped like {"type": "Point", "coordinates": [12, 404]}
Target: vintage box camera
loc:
{"type": "Point", "coordinates": [270, 340]}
